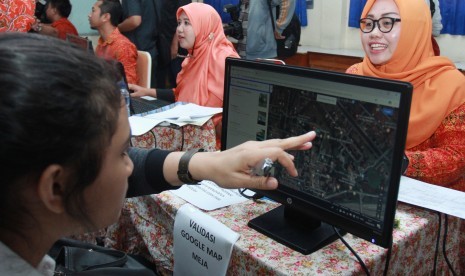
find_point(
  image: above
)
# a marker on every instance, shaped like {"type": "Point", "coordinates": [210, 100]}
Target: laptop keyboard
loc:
{"type": "Point", "coordinates": [140, 106]}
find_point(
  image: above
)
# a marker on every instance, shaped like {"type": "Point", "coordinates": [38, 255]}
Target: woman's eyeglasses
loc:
{"type": "Point", "coordinates": [385, 24]}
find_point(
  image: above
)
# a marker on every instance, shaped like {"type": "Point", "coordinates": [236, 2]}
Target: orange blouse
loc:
{"type": "Point", "coordinates": [16, 15]}
{"type": "Point", "coordinates": [118, 47]}
{"type": "Point", "coordinates": [64, 26]}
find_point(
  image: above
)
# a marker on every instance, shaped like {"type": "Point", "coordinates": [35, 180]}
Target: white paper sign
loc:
{"type": "Point", "coordinates": [202, 244]}
{"type": "Point", "coordinates": [209, 196]}
{"type": "Point", "coordinates": [431, 196]}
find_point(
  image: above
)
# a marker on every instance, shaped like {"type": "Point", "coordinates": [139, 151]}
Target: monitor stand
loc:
{"type": "Point", "coordinates": [294, 229]}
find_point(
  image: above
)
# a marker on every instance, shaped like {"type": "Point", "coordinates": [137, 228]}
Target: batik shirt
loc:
{"type": "Point", "coordinates": [118, 47]}
{"type": "Point", "coordinates": [16, 15]}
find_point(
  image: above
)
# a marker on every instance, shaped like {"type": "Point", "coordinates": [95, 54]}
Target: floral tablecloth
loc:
{"type": "Point", "coordinates": [177, 138]}
{"type": "Point", "coordinates": [149, 224]}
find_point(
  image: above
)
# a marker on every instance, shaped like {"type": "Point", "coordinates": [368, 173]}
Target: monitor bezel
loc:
{"type": "Point", "coordinates": [284, 195]}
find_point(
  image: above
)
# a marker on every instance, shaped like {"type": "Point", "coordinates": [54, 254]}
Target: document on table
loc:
{"type": "Point", "coordinates": [187, 112]}
{"type": "Point", "coordinates": [209, 196]}
{"type": "Point", "coordinates": [180, 115]}
{"type": "Point", "coordinates": [432, 197]}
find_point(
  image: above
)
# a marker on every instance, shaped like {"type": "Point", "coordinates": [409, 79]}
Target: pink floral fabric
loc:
{"type": "Point", "coordinates": [178, 138]}
{"type": "Point", "coordinates": [151, 222]}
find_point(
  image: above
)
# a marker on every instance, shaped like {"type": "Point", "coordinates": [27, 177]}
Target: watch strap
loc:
{"type": "Point", "coordinates": [183, 167]}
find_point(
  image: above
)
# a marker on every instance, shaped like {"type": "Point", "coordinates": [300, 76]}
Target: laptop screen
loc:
{"type": "Point", "coordinates": [353, 168]}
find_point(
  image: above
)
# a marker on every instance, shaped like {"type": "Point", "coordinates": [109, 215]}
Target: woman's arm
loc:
{"type": "Point", "coordinates": [232, 168]}
{"type": "Point", "coordinates": [162, 94]}
{"type": "Point", "coordinates": [157, 170]}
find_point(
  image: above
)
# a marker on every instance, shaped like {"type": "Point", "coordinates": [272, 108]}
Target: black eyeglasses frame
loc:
{"type": "Point", "coordinates": [376, 23]}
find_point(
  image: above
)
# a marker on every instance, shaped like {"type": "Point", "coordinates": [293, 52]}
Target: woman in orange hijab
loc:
{"type": "Point", "coordinates": [201, 80]}
{"type": "Point", "coordinates": [396, 38]}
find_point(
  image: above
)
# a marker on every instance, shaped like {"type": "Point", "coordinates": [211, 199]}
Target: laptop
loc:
{"type": "Point", "coordinates": [81, 42]}
{"type": "Point", "coordinates": [140, 106]}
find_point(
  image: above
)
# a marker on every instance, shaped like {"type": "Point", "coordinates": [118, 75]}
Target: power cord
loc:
{"type": "Point", "coordinates": [437, 245]}
{"type": "Point", "coordinates": [444, 239]}
{"type": "Point", "coordinates": [353, 251]}
{"type": "Point", "coordinates": [388, 259]}
{"type": "Point", "coordinates": [255, 197]}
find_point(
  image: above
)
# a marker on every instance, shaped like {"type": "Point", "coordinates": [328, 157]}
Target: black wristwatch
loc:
{"type": "Point", "coordinates": [183, 167]}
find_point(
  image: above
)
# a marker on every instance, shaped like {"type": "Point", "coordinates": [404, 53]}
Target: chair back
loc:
{"type": "Point", "coordinates": [144, 68]}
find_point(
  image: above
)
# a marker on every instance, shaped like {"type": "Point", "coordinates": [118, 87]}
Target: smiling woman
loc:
{"type": "Point", "coordinates": [402, 50]}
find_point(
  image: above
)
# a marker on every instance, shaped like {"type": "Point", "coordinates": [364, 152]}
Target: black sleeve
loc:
{"type": "Point", "coordinates": [165, 94]}
{"type": "Point", "coordinates": [147, 177]}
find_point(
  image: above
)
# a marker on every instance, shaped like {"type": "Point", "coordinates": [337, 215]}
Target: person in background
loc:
{"type": "Point", "coordinates": [437, 24]}
{"type": "Point", "coordinates": [140, 26]}
{"type": "Point", "coordinates": [105, 17]}
{"type": "Point", "coordinates": [57, 12]}
{"type": "Point", "coordinates": [259, 40]}
{"type": "Point", "coordinates": [201, 80]}
{"type": "Point", "coordinates": [65, 158]}
{"type": "Point", "coordinates": [169, 64]}
{"type": "Point", "coordinates": [396, 38]}
{"type": "Point", "coordinates": [17, 15]}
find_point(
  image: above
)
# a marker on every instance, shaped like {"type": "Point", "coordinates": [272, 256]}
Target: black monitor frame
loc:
{"type": "Point", "coordinates": [297, 235]}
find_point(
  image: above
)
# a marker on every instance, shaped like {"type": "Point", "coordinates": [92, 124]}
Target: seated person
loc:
{"type": "Point", "coordinates": [57, 12]}
{"type": "Point", "coordinates": [201, 80]}
{"type": "Point", "coordinates": [65, 158]}
{"type": "Point", "coordinates": [105, 17]}
{"type": "Point", "coordinates": [17, 15]}
{"type": "Point", "coordinates": [396, 38]}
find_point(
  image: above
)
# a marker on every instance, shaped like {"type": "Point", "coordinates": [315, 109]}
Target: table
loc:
{"type": "Point", "coordinates": [177, 138]}
{"type": "Point", "coordinates": [148, 225]}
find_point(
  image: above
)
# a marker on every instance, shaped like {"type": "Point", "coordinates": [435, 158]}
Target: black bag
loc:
{"type": "Point", "coordinates": [79, 258]}
{"type": "Point", "coordinates": [287, 47]}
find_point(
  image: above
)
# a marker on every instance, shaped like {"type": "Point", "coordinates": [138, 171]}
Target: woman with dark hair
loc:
{"type": "Point", "coordinates": [65, 158]}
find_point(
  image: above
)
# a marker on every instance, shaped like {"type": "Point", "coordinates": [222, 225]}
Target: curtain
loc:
{"type": "Point", "coordinates": [452, 12]}
{"type": "Point", "coordinates": [355, 11]}
{"type": "Point", "coordinates": [300, 10]}
{"type": "Point", "coordinates": [453, 16]}
{"type": "Point", "coordinates": [218, 6]}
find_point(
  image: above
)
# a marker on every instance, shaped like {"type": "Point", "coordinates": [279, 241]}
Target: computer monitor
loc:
{"type": "Point", "coordinates": [350, 178]}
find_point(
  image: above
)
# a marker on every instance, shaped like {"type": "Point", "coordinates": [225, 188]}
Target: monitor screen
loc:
{"type": "Point", "coordinates": [350, 177]}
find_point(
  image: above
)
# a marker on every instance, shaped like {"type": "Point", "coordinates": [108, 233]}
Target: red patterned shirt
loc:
{"type": "Point", "coordinates": [16, 15]}
{"type": "Point", "coordinates": [64, 26]}
{"type": "Point", "coordinates": [118, 47]}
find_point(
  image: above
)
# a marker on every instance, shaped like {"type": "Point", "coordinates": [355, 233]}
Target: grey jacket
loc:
{"type": "Point", "coordinates": [261, 42]}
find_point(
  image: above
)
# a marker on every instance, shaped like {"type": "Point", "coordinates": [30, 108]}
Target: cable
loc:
{"type": "Point", "coordinates": [154, 138]}
{"type": "Point", "coordinates": [255, 197]}
{"type": "Point", "coordinates": [388, 259]}
{"type": "Point", "coordinates": [437, 245]}
{"type": "Point", "coordinates": [353, 252]}
{"type": "Point", "coordinates": [444, 239]}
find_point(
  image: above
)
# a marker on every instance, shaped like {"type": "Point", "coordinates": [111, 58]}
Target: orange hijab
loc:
{"type": "Point", "coordinates": [201, 80]}
{"type": "Point", "coordinates": [439, 87]}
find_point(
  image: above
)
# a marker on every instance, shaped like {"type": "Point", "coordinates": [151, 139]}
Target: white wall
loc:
{"type": "Point", "coordinates": [327, 28]}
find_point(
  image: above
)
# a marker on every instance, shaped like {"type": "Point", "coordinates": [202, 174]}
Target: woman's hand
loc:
{"type": "Point", "coordinates": [139, 91]}
{"type": "Point", "coordinates": [232, 168]}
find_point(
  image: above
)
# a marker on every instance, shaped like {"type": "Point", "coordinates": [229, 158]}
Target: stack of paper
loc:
{"type": "Point", "coordinates": [179, 115]}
